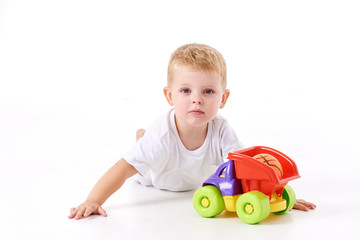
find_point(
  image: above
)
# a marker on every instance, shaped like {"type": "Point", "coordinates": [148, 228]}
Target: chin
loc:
{"type": "Point", "coordinates": [198, 122]}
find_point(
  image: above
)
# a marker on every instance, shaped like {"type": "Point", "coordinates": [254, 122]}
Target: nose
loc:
{"type": "Point", "coordinates": [197, 100]}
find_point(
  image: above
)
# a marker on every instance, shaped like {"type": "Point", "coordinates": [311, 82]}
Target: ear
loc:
{"type": "Point", "coordinates": [224, 99]}
{"type": "Point", "coordinates": [168, 96]}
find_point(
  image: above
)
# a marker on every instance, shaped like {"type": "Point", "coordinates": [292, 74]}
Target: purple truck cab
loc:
{"type": "Point", "coordinates": [225, 179]}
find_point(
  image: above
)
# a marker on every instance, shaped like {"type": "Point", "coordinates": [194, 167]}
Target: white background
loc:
{"type": "Point", "coordinates": [77, 78]}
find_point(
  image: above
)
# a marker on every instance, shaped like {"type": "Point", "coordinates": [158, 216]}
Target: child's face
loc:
{"type": "Point", "coordinates": [196, 96]}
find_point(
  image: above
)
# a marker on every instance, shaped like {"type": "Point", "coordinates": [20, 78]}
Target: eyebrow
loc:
{"type": "Point", "coordinates": [205, 86]}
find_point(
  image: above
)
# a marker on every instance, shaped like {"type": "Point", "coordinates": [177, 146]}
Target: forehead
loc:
{"type": "Point", "coordinates": [186, 75]}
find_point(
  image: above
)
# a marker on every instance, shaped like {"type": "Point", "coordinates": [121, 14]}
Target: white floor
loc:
{"type": "Point", "coordinates": [77, 78]}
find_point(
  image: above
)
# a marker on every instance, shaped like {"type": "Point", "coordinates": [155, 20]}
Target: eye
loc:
{"type": "Point", "coordinates": [185, 90]}
{"type": "Point", "coordinates": [208, 91]}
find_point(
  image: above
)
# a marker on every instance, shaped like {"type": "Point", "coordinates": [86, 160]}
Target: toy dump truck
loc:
{"type": "Point", "coordinates": [248, 187]}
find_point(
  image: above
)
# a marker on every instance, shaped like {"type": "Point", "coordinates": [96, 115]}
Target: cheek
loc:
{"type": "Point", "coordinates": [179, 102]}
{"type": "Point", "coordinates": [215, 102]}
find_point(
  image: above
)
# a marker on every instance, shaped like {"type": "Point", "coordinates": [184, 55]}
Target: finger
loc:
{"type": "Point", "coordinates": [300, 206]}
{"type": "Point", "coordinates": [310, 205]}
{"type": "Point", "coordinates": [79, 213]}
{"type": "Point", "coordinates": [102, 212]}
{"type": "Point", "coordinates": [306, 204]}
{"type": "Point", "coordinates": [72, 212]}
{"type": "Point", "coordinates": [89, 211]}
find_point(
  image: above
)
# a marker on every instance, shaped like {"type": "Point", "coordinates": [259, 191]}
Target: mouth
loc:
{"type": "Point", "coordinates": [196, 112]}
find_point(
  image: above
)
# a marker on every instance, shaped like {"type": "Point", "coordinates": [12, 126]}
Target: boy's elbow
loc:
{"type": "Point", "coordinates": [128, 169]}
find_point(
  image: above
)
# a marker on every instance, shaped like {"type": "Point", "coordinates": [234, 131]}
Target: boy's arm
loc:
{"type": "Point", "coordinates": [111, 181]}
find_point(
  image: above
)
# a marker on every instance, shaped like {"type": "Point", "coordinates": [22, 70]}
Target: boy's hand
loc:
{"type": "Point", "coordinates": [303, 205]}
{"type": "Point", "coordinates": [86, 209]}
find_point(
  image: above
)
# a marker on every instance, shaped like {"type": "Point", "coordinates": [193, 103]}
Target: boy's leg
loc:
{"type": "Point", "coordinates": [139, 133]}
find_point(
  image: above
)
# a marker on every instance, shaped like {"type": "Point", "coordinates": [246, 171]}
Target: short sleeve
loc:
{"type": "Point", "coordinates": [148, 152]}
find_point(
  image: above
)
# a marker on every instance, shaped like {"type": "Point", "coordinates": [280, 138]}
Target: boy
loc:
{"type": "Point", "coordinates": [179, 151]}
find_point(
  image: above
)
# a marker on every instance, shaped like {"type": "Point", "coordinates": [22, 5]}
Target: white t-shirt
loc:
{"type": "Point", "coordinates": [165, 163]}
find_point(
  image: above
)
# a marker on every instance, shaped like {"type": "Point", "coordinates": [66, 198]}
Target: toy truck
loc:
{"type": "Point", "coordinates": [248, 187]}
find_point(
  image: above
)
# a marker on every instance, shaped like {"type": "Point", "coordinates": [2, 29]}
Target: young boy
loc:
{"type": "Point", "coordinates": [181, 149]}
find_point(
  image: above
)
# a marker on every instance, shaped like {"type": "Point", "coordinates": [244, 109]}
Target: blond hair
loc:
{"type": "Point", "coordinates": [198, 57]}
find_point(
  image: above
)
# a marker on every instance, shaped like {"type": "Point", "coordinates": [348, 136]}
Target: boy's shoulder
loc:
{"type": "Point", "coordinates": [218, 117]}
{"type": "Point", "coordinates": [220, 125]}
{"type": "Point", "coordinates": [163, 125]}
{"type": "Point", "coordinates": [220, 120]}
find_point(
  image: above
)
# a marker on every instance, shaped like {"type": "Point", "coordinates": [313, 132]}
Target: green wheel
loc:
{"type": "Point", "coordinates": [253, 207]}
{"type": "Point", "coordinates": [208, 201]}
{"type": "Point", "coordinates": [289, 196]}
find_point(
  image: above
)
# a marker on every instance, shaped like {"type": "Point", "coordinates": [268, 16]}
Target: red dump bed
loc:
{"type": "Point", "coordinates": [255, 175]}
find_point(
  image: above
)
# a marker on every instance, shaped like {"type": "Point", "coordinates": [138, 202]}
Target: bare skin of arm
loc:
{"type": "Point", "coordinates": [109, 183]}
